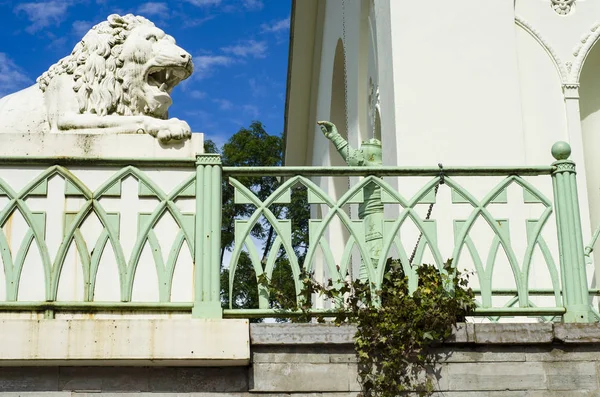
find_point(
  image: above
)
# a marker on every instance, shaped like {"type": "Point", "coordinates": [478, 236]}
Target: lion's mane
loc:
{"type": "Point", "coordinates": [104, 82]}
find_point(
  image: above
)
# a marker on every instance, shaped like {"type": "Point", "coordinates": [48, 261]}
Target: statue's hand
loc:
{"type": "Point", "coordinates": [327, 127]}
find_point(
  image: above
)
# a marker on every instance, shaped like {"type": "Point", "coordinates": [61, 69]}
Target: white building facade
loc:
{"type": "Point", "coordinates": [468, 83]}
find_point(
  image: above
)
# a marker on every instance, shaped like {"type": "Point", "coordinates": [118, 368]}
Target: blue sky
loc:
{"type": "Point", "coordinates": [239, 47]}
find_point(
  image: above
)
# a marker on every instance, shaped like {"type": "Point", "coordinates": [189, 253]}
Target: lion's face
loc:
{"type": "Point", "coordinates": [152, 66]}
{"type": "Point", "coordinates": [124, 65]}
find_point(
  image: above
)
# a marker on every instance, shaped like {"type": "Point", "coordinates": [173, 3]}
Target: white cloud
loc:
{"type": "Point", "coordinates": [224, 104]}
{"type": "Point", "coordinates": [154, 9]}
{"type": "Point", "coordinates": [80, 28]}
{"type": "Point", "coordinates": [205, 64]}
{"type": "Point", "coordinates": [256, 49]}
{"type": "Point", "coordinates": [253, 4]}
{"type": "Point", "coordinates": [204, 119]}
{"type": "Point", "coordinates": [197, 94]}
{"type": "Point", "coordinates": [12, 78]}
{"type": "Point", "coordinates": [251, 110]}
{"type": "Point", "coordinates": [204, 3]}
{"type": "Point", "coordinates": [190, 23]}
{"type": "Point", "coordinates": [276, 27]}
{"type": "Point", "coordinates": [256, 88]}
{"type": "Point", "coordinates": [57, 43]}
{"type": "Point", "coordinates": [201, 114]}
{"type": "Point", "coordinates": [43, 14]}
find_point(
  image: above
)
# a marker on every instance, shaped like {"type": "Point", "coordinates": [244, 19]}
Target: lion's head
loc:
{"type": "Point", "coordinates": [124, 65]}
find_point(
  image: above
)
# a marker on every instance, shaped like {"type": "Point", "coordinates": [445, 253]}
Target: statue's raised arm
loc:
{"type": "Point", "coordinates": [351, 156]}
{"type": "Point", "coordinates": [117, 79]}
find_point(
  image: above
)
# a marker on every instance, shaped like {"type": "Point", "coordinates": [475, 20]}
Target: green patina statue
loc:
{"type": "Point", "coordinates": [371, 209]}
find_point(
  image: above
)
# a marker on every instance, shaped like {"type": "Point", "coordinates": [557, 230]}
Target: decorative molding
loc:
{"type": "Point", "coordinates": [208, 159]}
{"type": "Point", "coordinates": [525, 25]}
{"type": "Point", "coordinates": [581, 50]}
{"type": "Point", "coordinates": [571, 91]}
{"type": "Point", "coordinates": [564, 166]}
{"type": "Point", "coordinates": [585, 39]}
{"type": "Point", "coordinates": [563, 7]}
{"type": "Point", "coordinates": [571, 70]}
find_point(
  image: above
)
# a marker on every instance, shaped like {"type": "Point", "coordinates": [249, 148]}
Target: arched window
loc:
{"type": "Point", "coordinates": [338, 108]}
{"type": "Point", "coordinates": [589, 106]}
{"type": "Point", "coordinates": [338, 234]}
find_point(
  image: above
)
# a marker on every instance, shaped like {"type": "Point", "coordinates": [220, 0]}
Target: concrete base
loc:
{"type": "Point", "coordinates": [123, 382]}
{"type": "Point", "coordinates": [481, 360]}
{"type": "Point", "coordinates": [181, 342]}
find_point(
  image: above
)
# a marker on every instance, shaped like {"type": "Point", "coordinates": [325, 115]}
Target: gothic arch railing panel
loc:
{"type": "Point", "coordinates": [87, 207]}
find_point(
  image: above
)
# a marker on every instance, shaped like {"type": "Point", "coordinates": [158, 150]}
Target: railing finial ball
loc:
{"type": "Point", "coordinates": [561, 150]}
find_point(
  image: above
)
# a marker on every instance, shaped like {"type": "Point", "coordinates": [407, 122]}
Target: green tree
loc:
{"type": "Point", "coordinates": [253, 146]}
{"type": "Point", "coordinates": [210, 146]}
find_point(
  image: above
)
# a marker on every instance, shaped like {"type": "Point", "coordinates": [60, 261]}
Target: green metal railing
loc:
{"type": "Point", "coordinates": [561, 255]}
{"type": "Point", "coordinates": [566, 269]}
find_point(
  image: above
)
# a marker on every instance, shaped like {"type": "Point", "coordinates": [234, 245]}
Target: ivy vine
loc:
{"type": "Point", "coordinates": [396, 327]}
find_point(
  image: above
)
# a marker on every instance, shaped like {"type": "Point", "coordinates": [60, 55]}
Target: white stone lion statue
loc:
{"type": "Point", "coordinates": [117, 80]}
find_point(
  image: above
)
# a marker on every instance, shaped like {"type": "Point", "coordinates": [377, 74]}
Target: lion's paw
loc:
{"type": "Point", "coordinates": [174, 130]}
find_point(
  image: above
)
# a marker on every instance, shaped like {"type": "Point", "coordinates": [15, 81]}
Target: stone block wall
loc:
{"type": "Point", "coordinates": [481, 360]}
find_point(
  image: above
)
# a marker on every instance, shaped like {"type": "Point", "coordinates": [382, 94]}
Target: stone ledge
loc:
{"type": "Point", "coordinates": [180, 342]}
{"type": "Point", "coordinates": [73, 145]}
{"type": "Point", "coordinates": [513, 333]}
{"type": "Point", "coordinates": [301, 334]}
{"type": "Point", "coordinates": [465, 333]}
{"type": "Point", "coordinates": [577, 333]}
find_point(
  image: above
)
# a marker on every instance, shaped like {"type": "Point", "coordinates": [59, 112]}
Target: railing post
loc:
{"type": "Point", "coordinates": [570, 241]}
{"type": "Point", "coordinates": [207, 244]}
